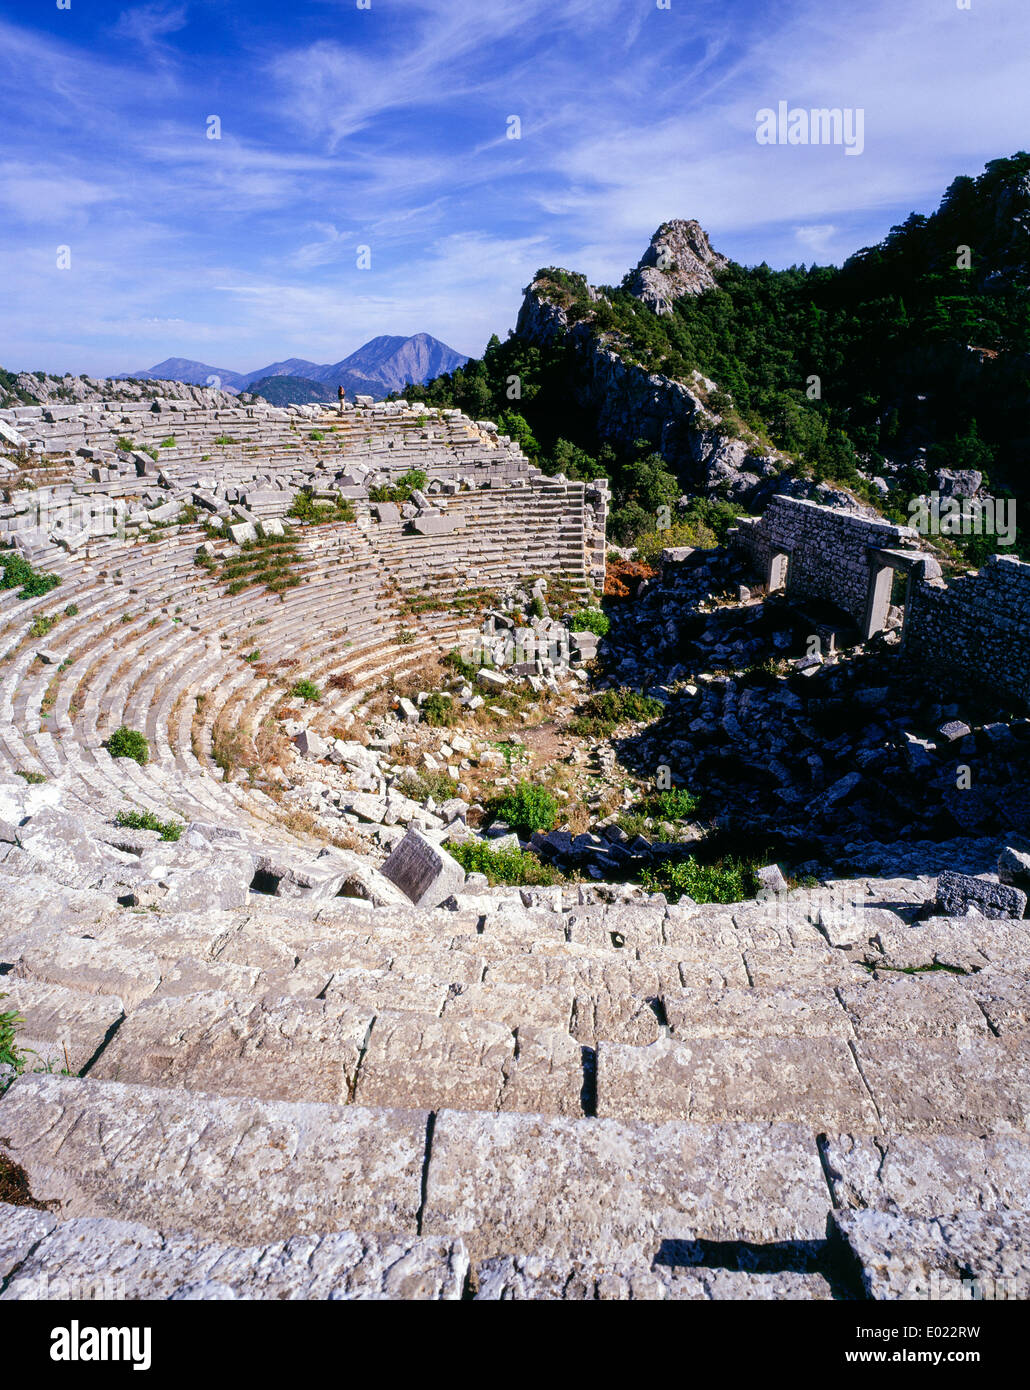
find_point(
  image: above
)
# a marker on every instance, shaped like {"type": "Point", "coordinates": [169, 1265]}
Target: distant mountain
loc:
{"type": "Point", "coordinates": [293, 367]}
{"type": "Point", "coordinates": [193, 373]}
{"type": "Point", "coordinates": [291, 390]}
{"type": "Point", "coordinates": [391, 363]}
{"type": "Point", "coordinates": [380, 366]}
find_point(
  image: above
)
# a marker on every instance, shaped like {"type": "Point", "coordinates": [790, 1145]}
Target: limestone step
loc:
{"type": "Point", "coordinates": [63, 1029]}
{"type": "Point", "coordinates": [972, 1255]}
{"type": "Point", "coordinates": [248, 1171]}
{"type": "Point", "coordinates": [894, 1084]}
{"type": "Point", "coordinates": [676, 1273]}
{"type": "Point", "coordinates": [95, 1257]}
{"type": "Point", "coordinates": [241, 1170]}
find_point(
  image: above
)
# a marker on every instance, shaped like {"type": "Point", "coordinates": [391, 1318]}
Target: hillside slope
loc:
{"type": "Point", "coordinates": [906, 370]}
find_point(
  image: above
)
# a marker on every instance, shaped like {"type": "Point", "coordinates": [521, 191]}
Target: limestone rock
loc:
{"type": "Point", "coordinates": [973, 1255]}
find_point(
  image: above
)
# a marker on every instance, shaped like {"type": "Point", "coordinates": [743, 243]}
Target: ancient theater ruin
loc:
{"type": "Point", "coordinates": [261, 668]}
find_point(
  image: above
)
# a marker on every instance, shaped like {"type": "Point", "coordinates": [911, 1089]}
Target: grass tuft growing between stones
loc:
{"type": "Point", "coordinates": [146, 820]}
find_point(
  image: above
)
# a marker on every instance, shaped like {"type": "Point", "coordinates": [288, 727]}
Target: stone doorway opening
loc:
{"type": "Point", "coordinates": [890, 584]}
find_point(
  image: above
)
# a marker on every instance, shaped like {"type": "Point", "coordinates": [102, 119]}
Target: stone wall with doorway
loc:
{"type": "Point", "coordinates": [822, 550]}
{"type": "Point", "coordinates": [971, 632]}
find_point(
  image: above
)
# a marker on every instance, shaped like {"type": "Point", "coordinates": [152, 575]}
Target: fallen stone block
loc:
{"type": "Point", "coordinates": [493, 680]}
{"type": "Point", "coordinates": [437, 523]}
{"type": "Point", "coordinates": [168, 511]}
{"type": "Point", "coordinates": [311, 745]}
{"type": "Point", "coordinates": [770, 881]}
{"type": "Point", "coordinates": [424, 872]}
{"type": "Point", "coordinates": [958, 893]}
{"type": "Point", "coordinates": [1014, 865]}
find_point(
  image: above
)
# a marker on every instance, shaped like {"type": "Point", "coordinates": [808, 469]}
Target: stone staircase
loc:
{"type": "Point", "coordinates": [507, 1101]}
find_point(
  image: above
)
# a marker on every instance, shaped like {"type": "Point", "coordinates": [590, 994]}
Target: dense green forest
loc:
{"type": "Point", "coordinates": [921, 347]}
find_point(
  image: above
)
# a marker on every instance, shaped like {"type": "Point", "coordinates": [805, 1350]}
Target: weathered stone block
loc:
{"type": "Point", "coordinates": [957, 893]}
{"type": "Point", "coordinates": [423, 871]}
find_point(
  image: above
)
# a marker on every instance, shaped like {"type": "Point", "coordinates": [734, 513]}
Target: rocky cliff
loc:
{"type": "Point", "coordinates": [631, 403]}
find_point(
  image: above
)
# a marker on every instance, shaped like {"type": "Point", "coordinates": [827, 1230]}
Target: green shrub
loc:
{"type": "Point", "coordinates": [125, 444]}
{"type": "Point", "coordinates": [168, 443]}
{"type": "Point", "coordinates": [316, 435]}
{"type": "Point", "coordinates": [33, 778]}
{"type": "Point", "coordinates": [146, 820]}
{"type": "Point", "coordinates": [605, 710]}
{"type": "Point", "coordinates": [510, 866]}
{"type": "Point", "coordinates": [439, 712]}
{"type": "Point", "coordinates": [44, 624]}
{"type": "Point", "coordinates": [728, 881]}
{"type": "Point", "coordinates": [675, 803]}
{"type": "Point", "coordinates": [128, 743]}
{"type": "Point", "coordinates": [19, 573]}
{"type": "Point", "coordinates": [634, 823]}
{"type": "Point", "coordinates": [458, 663]}
{"type": "Point", "coordinates": [590, 620]}
{"type": "Point", "coordinates": [306, 690]}
{"type": "Point", "coordinates": [72, 610]}
{"type": "Point", "coordinates": [420, 786]}
{"type": "Point", "coordinates": [10, 1022]}
{"type": "Point", "coordinates": [412, 481]}
{"type": "Point", "coordinates": [651, 543]}
{"type": "Point", "coordinates": [527, 808]}
{"type": "Point", "coordinates": [305, 508]}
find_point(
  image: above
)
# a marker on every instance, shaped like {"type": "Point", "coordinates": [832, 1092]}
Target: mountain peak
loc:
{"type": "Point", "coordinates": [678, 261]}
{"type": "Point", "coordinates": [383, 364]}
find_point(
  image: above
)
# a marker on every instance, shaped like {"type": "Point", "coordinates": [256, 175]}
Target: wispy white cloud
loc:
{"type": "Point", "coordinates": [148, 24]}
{"type": "Point", "coordinates": [386, 128]}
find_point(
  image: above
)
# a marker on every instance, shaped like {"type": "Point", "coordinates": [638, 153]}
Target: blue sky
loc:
{"type": "Point", "coordinates": [386, 127]}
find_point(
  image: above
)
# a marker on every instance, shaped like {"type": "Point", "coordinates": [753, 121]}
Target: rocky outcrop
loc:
{"type": "Point", "coordinates": [679, 261]}
{"type": "Point", "coordinates": [31, 388]}
{"type": "Point", "coordinates": [629, 403]}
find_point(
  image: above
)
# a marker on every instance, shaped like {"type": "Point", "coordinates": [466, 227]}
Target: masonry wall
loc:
{"type": "Point", "coordinates": [827, 549]}
{"type": "Point", "coordinates": [970, 633]}
{"type": "Point", "coordinates": [975, 631]}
